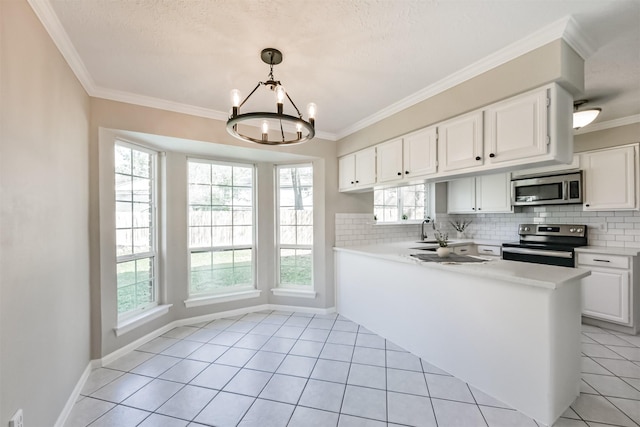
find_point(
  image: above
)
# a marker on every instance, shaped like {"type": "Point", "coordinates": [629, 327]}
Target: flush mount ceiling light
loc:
{"type": "Point", "coordinates": [584, 117]}
{"type": "Point", "coordinates": [288, 129]}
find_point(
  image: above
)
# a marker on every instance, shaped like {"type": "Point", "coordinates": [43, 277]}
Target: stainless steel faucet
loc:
{"type": "Point", "coordinates": [423, 235]}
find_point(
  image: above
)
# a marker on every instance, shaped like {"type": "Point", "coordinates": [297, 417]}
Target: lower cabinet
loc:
{"type": "Point", "coordinates": [607, 293]}
{"type": "Point", "coordinates": [463, 250]}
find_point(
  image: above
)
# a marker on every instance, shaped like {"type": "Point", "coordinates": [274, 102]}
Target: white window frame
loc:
{"type": "Point", "coordinates": [123, 318]}
{"type": "Point", "coordinates": [400, 204]}
{"type": "Point", "coordinates": [305, 291]}
{"type": "Point", "coordinates": [230, 293]}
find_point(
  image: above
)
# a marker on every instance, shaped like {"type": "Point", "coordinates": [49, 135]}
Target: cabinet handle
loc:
{"type": "Point", "coordinates": [406, 172]}
{"type": "Point", "coordinates": [587, 205]}
{"type": "Point", "coordinates": [487, 250]}
{"type": "Point", "coordinates": [478, 157]}
{"type": "Point", "coordinates": [399, 173]}
{"type": "Point", "coordinates": [601, 260]}
{"type": "Point", "coordinates": [492, 155]}
{"type": "Point", "coordinates": [463, 250]}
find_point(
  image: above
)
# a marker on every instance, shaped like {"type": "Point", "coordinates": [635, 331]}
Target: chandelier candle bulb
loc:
{"type": "Point", "coordinates": [265, 130]}
{"type": "Point", "coordinates": [311, 111]}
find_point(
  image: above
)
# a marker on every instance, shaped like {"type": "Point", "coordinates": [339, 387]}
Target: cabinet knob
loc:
{"type": "Point", "coordinates": [473, 209]}
{"type": "Point", "coordinates": [406, 172]}
{"type": "Point", "coordinates": [357, 182]}
{"type": "Point", "coordinates": [492, 155]}
{"type": "Point", "coordinates": [479, 209]}
{"type": "Point", "coordinates": [478, 157]}
{"type": "Point", "coordinates": [352, 182]}
{"type": "Point", "coordinates": [399, 173]}
{"type": "Point", "coordinates": [587, 205]}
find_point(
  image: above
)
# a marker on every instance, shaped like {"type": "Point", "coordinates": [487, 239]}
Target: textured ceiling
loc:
{"type": "Point", "coordinates": [352, 58]}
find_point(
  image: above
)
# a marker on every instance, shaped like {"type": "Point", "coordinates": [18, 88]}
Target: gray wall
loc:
{"type": "Point", "coordinates": [44, 245]}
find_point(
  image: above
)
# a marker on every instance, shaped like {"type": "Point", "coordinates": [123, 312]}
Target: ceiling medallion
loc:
{"type": "Point", "coordinates": [584, 117]}
{"type": "Point", "coordinates": [288, 129]}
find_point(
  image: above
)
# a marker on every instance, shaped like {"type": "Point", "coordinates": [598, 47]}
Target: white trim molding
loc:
{"type": "Point", "coordinates": [130, 324]}
{"type": "Point", "coordinates": [594, 127]}
{"type": "Point", "coordinates": [216, 299]}
{"type": "Point", "coordinates": [73, 397]}
{"type": "Point", "coordinates": [291, 292]}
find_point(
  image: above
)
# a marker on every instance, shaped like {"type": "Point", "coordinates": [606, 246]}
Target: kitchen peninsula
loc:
{"type": "Point", "coordinates": [508, 328]}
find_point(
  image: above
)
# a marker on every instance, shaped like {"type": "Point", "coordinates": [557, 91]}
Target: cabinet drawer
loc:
{"type": "Point", "coordinates": [489, 250]}
{"type": "Point", "coordinates": [602, 260]}
{"type": "Point", "coordinates": [462, 250]}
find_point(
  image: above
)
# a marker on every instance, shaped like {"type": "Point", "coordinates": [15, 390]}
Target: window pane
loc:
{"type": "Point", "coordinates": [124, 242]}
{"type": "Point", "coordinates": [221, 236]}
{"type": "Point", "coordinates": [141, 164]}
{"type": "Point", "coordinates": [199, 237]}
{"type": "Point", "coordinates": [287, 235]}
{"type": "Point", "coordinates": [199, 194]}
{"type": "Point", "coordinates": [243, 177]}
{"type": "Point", "coordinates": [124, 215]}
{"type": "Point", "coordinates": [295, 199]}
{"type": "Point", "coordinates": [295, 267]}
{"type": "Point", "coordinates": [228, 220]}
{"type": "Point", "coordinates": [122, 160]}
{"type": "Point", "coordinates": [199, 173]}
{"type": "Point", "coordinates": [134, 220]}
{"type": "Point", "coordinates": [141, 240]}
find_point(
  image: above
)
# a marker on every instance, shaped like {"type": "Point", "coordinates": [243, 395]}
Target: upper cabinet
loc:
{"type": "Point", "coordinates": [482, 194]}
{"type": "Point", "coordinates": [410, 157]}
{"type": "Point", "coordinates": [610, 178]}
{"type": "Point", "coordinates": [516, 129]}
{"type": "Point", "coordinates": [460, 144]}
{"type": "Point", "coordinates": [357, 171]}
{"type": "Point", "coordinates": [531, 129]}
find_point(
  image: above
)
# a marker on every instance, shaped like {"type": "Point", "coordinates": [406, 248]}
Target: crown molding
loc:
{"type": "Point", "coordinates": [623, 121]}
{"type": "Point", "coordinates": [563, 28]}
{"type": "Point", "coordinates": [47, 16]}
{"type": "Point", "coordinates": [578, 39]}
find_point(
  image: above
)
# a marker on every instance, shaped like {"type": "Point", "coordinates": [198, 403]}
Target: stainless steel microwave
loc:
{"type": "Point", "coordinates": [547, 190]}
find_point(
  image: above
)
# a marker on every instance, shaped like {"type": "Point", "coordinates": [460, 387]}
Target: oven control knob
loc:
{"type": "Point", "coordinates": [572, 230]}
{"type": "Point", "coordinates": [578, 230]}
{"type": "Point", "coordinates": [524, 228]}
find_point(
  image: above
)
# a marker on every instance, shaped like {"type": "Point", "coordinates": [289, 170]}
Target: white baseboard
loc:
{"type": "Point", "coordinates": [62, 418]}
{"type": "Point", "coordinates": [98, 363]}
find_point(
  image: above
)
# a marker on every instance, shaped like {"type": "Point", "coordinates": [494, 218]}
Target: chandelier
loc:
{"type": "Point", "coordinates": [271, 128]}
{"type": "Point", "coordinates": [583, 118]}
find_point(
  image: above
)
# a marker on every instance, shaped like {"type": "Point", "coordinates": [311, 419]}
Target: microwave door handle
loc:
{"type": "Point", "coordinates": [565, 190]}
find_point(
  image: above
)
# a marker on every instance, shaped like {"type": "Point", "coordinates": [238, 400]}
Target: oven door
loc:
{"type": "Point", "coordinates": [539, 256]}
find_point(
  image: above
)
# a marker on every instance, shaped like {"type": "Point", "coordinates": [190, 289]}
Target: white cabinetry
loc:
{"type": "Point", "coordinates": [610, 178]}
{"type": "Point", "coordinates": [463, 250]}
{"type": "Point", "coordinates": [606, 293]}
{"type": "Point", "coordinates": [516, 129]}
{"type": "Point", "coordinates": [410, 157]}
{"type": "Point", "coordinates": [483, 194]}
{"type": "Point", "coordinates": [460, 142]}
{"type": "Point", "coordinates": [358, 170]}
{"type": "Point", "coordinates": [489, 250]}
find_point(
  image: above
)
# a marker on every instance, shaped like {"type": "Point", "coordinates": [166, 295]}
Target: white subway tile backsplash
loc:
{"type": "Point", "coordinates": [622, 228]}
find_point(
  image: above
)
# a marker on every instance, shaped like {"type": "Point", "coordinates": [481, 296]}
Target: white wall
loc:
{"type": "Point", "coordinates": [44, 244]}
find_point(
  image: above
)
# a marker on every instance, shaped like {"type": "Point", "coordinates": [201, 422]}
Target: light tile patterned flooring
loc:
{"type": "Point", "coordinates": [293, 369]}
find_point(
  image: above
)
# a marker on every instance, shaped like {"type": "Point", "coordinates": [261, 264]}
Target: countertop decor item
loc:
{"type": "Point", "coordinates": [443, 251]}
{"type": "Point", "coordinates": [286, 129]}
{"type": "Point", "coordinates": [460, 226]}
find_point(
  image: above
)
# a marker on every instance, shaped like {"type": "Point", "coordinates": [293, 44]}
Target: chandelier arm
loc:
{"type": "Point", "coordinates": [282, 131]}
{"type": "Point", "coordinates": [249, 96]}
{"type": "Point", "coordinates": [294, 104]}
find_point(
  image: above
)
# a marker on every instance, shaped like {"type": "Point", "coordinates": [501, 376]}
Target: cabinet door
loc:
{"type": "Point", "coordinates": [605, 295]}
{"type": "Point", "coordinates": [517, 128]}
{"type": "Point", "coordinates": [389, 158]}
{"type": "Point", "coordinates": [365, 167]}
{"type": "Point", "coordinates": [461, 196]}
{"type": "Point", "coordinates": [420, 153]}
{"type": "Point", "coordinates": [346, 172]}
{"type": "Point", "coordinates": [460, 142]}
{"type": "Point", "coordinates": [610, 179]}
{"type": "Point", "coordinates": [493, 193]}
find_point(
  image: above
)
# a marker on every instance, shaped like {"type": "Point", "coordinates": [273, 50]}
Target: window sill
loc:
{"type": "Point", "coordinates": [297, 293]}
{"type": "Point", "coordinates": [216, 299]}
{"type": "Point", "coordinates": [133, 322]}
{"type": "Point", "coordinates": [405, 222]}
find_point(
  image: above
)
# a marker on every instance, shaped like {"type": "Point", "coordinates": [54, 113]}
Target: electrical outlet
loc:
{"type": "Point", "coordinates": [17, 420]}
{"type": "Point", "coordinates": [600, 226]}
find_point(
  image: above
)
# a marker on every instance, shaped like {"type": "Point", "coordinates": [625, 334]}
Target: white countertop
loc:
{"type": "Point", "coordinates": [543, 276]}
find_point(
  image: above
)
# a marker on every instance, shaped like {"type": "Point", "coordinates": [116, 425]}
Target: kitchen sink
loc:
{"type": "Point", "coordinates": [431, 241]}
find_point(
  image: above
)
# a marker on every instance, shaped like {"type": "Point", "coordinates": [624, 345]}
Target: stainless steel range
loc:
{"type": "Point", "coordinates": [551, 244]}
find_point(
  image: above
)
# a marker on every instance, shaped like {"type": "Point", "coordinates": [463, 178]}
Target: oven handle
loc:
{"type": "Point", "coordinates": [559, 254]}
